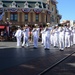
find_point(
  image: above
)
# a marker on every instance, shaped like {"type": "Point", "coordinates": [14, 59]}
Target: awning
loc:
{"type": "Point", "coordinates": [2, 27]}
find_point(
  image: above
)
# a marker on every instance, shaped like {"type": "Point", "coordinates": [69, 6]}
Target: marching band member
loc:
{"type": "Point", "coordinates": [73, 35]}
{"type": "Point", "coordinates": [61, 38]}
{"type": "Point", "coordinates": [52, 36]}
{"type": "Point", "coordinates": [25, 36]}
{"type": "Point", "coordinates": [43, 38]}
{"type": "Point", "coordinates": [67, 36]}
{"type": "Point", "coordinates": [47, 37]}
{"type": "Point", "coordinates": [18, 36]}
{"type": "Point", "coordinates": [56, 36]}
{"type": "Point", "coordinates": [35, 35]}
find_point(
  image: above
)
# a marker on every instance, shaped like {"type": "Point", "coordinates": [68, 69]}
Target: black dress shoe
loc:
{"type": "Point", "coordinates": [35, 47]}
{"type": "Point", "coordinates": [48, 49]}
{"type": "Point", "coordinates": [45, 48]}
{"type": "Point", "coordinates": [22, 46]}
{"type": "Point", "coordinates": [61, 50]}
{"type": "Point", "coordinates": [55, 47]}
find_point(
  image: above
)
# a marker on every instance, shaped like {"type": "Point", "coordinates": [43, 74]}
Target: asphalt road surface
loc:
{"type": "Point", "coordinates": [29, 61]}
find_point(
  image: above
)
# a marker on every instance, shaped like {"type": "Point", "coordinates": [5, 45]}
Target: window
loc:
{"type": "Point", "coordinates": [52, 18]}
{"type": "Point", "coordinates": [13, 17]}
{"type": "Point", "coordinates": [26, 17]}
{"type": "Point", "coordinates": [52, 9]}
{"type": "Point", "coordinates": [37, 17]}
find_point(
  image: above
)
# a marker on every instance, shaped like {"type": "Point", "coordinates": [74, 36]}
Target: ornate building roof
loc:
{"type": "Point", "coordinates": [20, 3]}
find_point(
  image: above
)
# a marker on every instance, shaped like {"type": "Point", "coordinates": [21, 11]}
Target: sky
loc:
{"type": "Point", "coordinates": [66, 9]}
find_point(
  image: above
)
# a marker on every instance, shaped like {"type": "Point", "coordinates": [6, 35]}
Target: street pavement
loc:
{"type": "Point", "coordinates": [29, 61]}
{"type": "Point", "coordinates": [67, 67]}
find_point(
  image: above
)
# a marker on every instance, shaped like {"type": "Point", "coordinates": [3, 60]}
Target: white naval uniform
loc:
{"type": "Point", "coordinates": [43, 38]}
{"type": "Point", "coordinates": [47, 38]}
{"type": "Point", "coordinates": [35, 34]}
{"type": "Point", "coordinates": [67, 37]}
{"type": "Point", "coordinates": [51, 37]}
{"type": "Point", "coordinates": [56, 38]}
{"type": "Point", "coordinates": [61, 38]}
{"type": "Point", "coordinates": [25, 37]}
{"type": "Point", "coordinates": [73, 36]}
{"type": "Point", "coordinates": [18, 36]}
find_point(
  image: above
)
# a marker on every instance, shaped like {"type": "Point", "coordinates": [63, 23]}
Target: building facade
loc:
{"type": "Point", "coordinates": [71, 22]}
{"type": "Point", "coordinates": [20, 12]}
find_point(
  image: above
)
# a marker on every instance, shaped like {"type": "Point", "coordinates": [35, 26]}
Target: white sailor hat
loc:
{"type": "Point", "coordinates": [56, 25]}
{"type": "Point", "coordinates": [48, 23]}
{"type": "Point", "coordinates": [7, 18]}
{"type": "Point", "coordinates": [18, 26]}
{"type": "Point", "coordinates": [26, 25]}
{"type": "Point", "coordinates": [35, 24]}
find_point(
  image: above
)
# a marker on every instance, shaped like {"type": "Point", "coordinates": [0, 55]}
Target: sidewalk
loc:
{"type": "Point", "coordinates": [39, 60]}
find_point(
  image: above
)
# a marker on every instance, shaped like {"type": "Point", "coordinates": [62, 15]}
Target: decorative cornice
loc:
{"type": "Point", "coordinates": [13, 5]}
{"type": "Point", "coordinates": [36, 5]}
{"type": "Point", "coordinates": [26, 5]}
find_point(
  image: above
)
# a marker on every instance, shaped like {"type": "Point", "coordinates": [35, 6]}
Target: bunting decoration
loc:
{"type": "Point", "coordinates": [13, 9]}
{"type": "Point", "coordinates": [26, 10]}
{"type": "Point", "coordinates": [37, 11]}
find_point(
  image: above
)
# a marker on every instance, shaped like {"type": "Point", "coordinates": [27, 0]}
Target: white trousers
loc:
{"type": "Point", "coordinates": [43, 39]}
{"type": "Point", "coordinates": [25, 41]}
{"type": "Point", "coordinates": [71, 39]}
{"type": "Point", "coordinates": [35, 41]}
{"type": "Point", "coordinates": [47, 42]}
{"type": "Point", "coordinates": [61, 42]}
{"type": "Point", "coordinates": [51, 39]}
{"type": "Point", "coordinates": [74, 38]}
{"type": "Point", "coordinates": [56, 41]}
{"type": "Point", "coordinates": [18, 41]}
{"type": "Point", "coordinates": [67, 41]}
